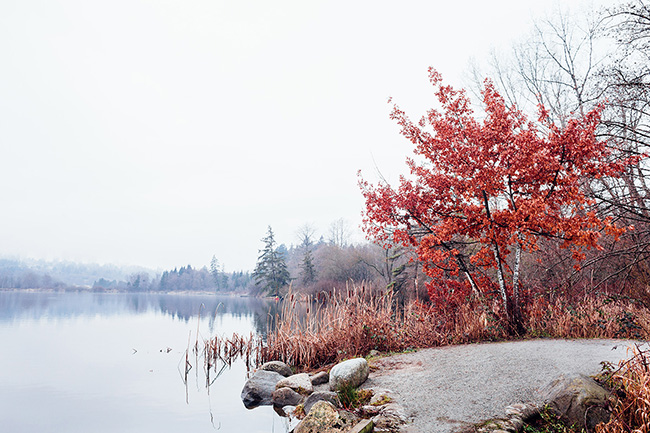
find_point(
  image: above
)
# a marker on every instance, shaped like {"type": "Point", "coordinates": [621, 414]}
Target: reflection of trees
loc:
{"type": "Point", "coordinates": [265, 320]}
{"type": "Point", "coordinates": [16, 304]}
{"type": "Point", "coordinates": [275, 311]}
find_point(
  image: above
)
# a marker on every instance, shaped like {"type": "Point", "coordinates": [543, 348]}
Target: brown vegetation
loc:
{"type": "Point", "coordinates": [312, 332]}
{"type": "Point", "coordinates": [632, 410]}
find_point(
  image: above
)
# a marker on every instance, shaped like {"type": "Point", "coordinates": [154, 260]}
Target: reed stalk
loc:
{"type": "Point", "coordinates": [312, 332]}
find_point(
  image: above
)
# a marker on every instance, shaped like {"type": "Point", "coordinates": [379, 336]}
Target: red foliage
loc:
{"type": "Point", "coordinates": [481, 188]}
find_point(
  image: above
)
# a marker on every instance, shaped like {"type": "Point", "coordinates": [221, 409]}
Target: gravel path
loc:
{"type": "Point", "coordinates": [444, 389]}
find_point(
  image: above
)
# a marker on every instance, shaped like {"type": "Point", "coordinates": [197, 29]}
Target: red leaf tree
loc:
{"type": "Point", "coordinates": [482, 190]}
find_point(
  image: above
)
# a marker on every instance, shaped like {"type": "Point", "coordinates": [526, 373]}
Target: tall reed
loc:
{"type": "Point", "coordinates": [311, 332]}
{"type": "Point", "coordinates": [353, 322]}
{"type": "Point", "coordinates": [590, 317]}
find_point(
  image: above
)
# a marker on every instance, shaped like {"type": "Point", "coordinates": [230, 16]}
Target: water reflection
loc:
{"type": "Point", "coordinates": [17, 305]}
{"type": "Point", "coordinates": [110, 362]}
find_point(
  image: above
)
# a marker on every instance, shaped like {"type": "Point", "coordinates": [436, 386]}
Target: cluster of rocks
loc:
{"type": "Point", "coordinates": [577, 400]}
{"type": "Point", "coordinates": [315, 398]}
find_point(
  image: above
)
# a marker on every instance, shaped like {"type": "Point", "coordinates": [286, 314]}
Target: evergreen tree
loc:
{"type": "Point", "coordinates": [271, 272]}
{"type": "Point", "coordinates": [215, 271]}
{"type": "Point", "coordinates": [307, 268]}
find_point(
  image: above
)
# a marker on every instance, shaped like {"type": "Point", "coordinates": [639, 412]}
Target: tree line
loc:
{"type": "Point", "coordinates": [315, 264]}
{"type": "Point", "coordinates": [183, 279]}
{"type": "Point", "coordinates": [60, 275]}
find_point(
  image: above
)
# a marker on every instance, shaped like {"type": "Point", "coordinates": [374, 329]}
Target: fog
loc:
{"type": "Point", "coordinates": [162, 133]}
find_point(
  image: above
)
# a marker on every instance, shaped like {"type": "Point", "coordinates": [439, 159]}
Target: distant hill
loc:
{"type": "Point", "coordinates": [18, 273]}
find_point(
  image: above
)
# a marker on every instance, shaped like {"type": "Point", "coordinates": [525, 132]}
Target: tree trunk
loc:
{"type": "Point", "coordinates": [515, 273]}
{"type": "Point", "coordinates": [500, 277]}
{"type": "Point", "coordinates": [516, 310]}
{"type": "Point", "coordinates": [497, 258]}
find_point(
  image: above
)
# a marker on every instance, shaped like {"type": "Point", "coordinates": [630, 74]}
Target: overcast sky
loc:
{"type": "Point", "coordinates": [159, 133]}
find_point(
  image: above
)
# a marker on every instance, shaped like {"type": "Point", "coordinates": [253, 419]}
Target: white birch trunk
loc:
{"type": "Point", "coordinates": [472, 284]}
{"type": "Point", "coordinates": [515, 274]}
{"type": "Point", "coordinates": [500, 277]}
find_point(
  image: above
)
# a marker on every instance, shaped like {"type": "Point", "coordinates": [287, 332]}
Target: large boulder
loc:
{"type": "Point", "coordinates": [277, 366]}
{"type": "Point", "coordinates": [259, 388]}
{"type": "Point", "coordinates": [578, 400]}
{"type": "Point", "coordinates": [286, 397]}
{"type": "Point", "coordinates": [317, 396]}
{"type": "Point", "coordinates": [300, 382]}
{"type": "Point", "coordinates": [324, 418]}
{"type": "Point", "coordinates": [352, 372]}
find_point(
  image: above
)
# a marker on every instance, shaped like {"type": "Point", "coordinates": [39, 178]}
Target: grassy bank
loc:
{"type": "Point", "coordinates": [313, 333]}
{"type": "Point", "coordinates": [352, 323]}
{"type": "Point", "coordinates": [310, 333]}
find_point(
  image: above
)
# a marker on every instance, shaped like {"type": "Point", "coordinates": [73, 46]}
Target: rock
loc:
{"type": "Point", "coordinates": [258, 389]}
{"type": "Point", "coordinates": [298, 382]}
{"type": "Point", "coordinates": [525, 411]}
{"type": "Point", "coordinates": [516, 417]}
{"type": "Point", "coordinates": [380, 397]}
{"type": "Point", "coordinates": [369, 410]}
{"type": "Point", "coordinates": [277, 366]}
{"type": "Point", "coordinates": [286, 397]}
{"type": "Point", "coordinates": [363, 426]}
{"type": "Point", "coordinates": [577, 400]}
{"type": "Point", "coordinates": [391, 417]}
{"type": "Point", "coordinates": [324, 418]}
{"type": "Point", "coordinates": [317, 396]}
{"type": "Point", "coordinates": [517, 423]}
{"type": "Point", "coordinates": [320, 378]}
{"type": "Point", "coordinates": [352, 372]}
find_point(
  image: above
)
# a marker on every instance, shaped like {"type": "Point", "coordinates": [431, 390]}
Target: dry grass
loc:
{"type": "Point", "coordinates": [341, 325]}
{"type": "Point", "coordinates": [590, 317]}
{"type": "Point", "coordinates": [632, 410]}
{"type": "Point", "coordinates": [314, 332]}
{"type": "Point", "coordinates": [352, 323]}
{"type": "Point", "coordinates": [225, 350]}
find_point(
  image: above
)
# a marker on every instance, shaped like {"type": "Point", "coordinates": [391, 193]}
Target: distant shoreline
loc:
{"type": "Point", "coordinates": [152, 292]}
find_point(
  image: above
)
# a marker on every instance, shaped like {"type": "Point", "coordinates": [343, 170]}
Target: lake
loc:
{"type": "Point", "coordinates": [82, 362]}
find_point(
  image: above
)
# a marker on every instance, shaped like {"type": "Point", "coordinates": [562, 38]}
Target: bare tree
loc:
{"type": "Point", "coordinates": [339, 233]}
{"type": "Point", "coordinates": [306, 234]}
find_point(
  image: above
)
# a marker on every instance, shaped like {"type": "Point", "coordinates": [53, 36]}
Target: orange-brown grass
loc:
{"type": "Point", "coordinates": [313, 332]}
{"type": "Point", "coordinates": [632, 411]}
{"type": "Point", "coordinates": [353, 322]}
{"type": "Point", "coordinates": [341, 326]}
{"type": "Point", "coordinates": [591, 317]}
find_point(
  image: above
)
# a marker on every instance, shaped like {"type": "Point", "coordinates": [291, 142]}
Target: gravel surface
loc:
{"type": "Point", "coordinates": [445, 389]}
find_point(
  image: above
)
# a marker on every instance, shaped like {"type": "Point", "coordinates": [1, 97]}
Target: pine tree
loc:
{"type": "Point", "coordinates": [307, 267]}
{"type": "Point", "coordinates": [215, 272]}
{"type": "Point", "coordinates": [271, 270]}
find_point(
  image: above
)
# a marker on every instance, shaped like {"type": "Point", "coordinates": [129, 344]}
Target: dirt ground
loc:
{"type": "Point", "coordinates": [448, 388]}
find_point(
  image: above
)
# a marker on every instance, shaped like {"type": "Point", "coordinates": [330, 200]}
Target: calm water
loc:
{"type": "Point", "coordinates": [112, 363]}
